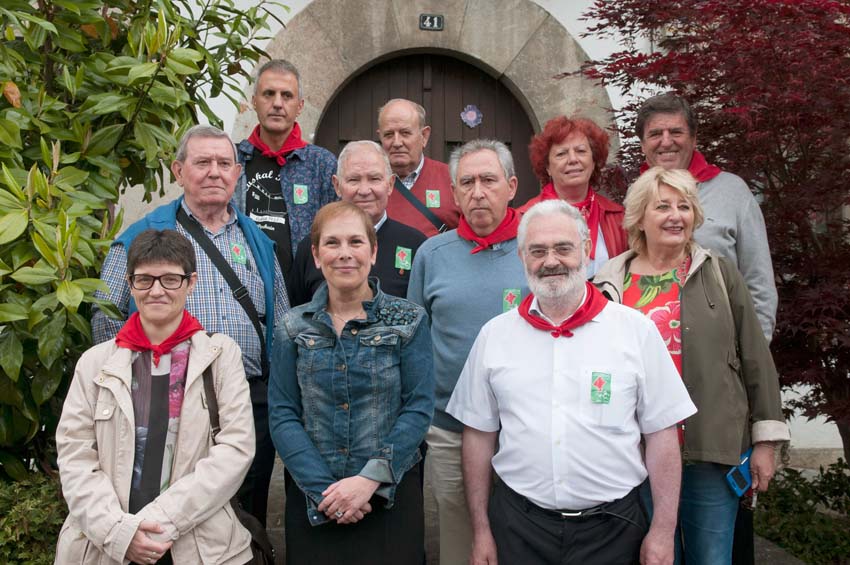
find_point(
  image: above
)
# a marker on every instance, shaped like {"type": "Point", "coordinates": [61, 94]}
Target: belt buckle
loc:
{"type": "Point", "coordinates": [571, 514]}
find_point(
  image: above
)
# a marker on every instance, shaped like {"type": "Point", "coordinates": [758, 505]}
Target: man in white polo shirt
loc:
{"type": "Point", "coordinates": [567, 384]}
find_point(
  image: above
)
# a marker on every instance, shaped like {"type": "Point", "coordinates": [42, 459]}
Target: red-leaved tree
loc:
{"type": "Point", "coordinates": [770, 82]}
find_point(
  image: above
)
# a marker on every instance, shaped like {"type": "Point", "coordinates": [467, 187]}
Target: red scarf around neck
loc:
{"type": "Point", "coordinates": [589, 208]}
{"type": "Point", "coordinates": [593, 305]}
{"type": "Point", "coordinates": [133, 337]}
{"type": "Point", "coordinates": [505, 231]}
{"type": "Point", "coordinates": [699, 168]}
{"type": "Point", "coordinates": [292, 143]}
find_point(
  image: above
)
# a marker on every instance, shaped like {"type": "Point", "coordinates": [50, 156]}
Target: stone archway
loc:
{"type": "Point", "coordinates": [516, 41]}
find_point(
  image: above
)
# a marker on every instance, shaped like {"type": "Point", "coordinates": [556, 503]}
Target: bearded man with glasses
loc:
{"type": "Point", "coordinates": [240, 289]}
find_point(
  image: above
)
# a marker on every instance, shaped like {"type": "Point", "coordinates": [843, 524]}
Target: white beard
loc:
{"type": "Point", "coordinates": [571, 285]}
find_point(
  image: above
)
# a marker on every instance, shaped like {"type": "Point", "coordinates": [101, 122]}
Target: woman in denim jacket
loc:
{"type": "Point", "coordinates": [351, 396]}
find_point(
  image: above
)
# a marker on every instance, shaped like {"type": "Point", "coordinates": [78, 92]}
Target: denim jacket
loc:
{"type": "Point", "coordinates": [355, 404]}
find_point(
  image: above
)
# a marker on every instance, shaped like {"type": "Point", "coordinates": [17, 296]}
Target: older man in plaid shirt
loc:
{"type": "Point", "coordinates": [206, 168]}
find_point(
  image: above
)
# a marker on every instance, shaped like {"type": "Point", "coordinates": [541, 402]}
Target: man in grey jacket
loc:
{"type": "Point", "coordinates": [734, 225]}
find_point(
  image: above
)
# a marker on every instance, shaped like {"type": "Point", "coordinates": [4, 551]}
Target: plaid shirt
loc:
{"type": "Point", "coordinates": [212, 301]}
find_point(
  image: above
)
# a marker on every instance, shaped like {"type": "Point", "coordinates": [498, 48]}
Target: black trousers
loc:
{"type": "Point", "coordinates": [392, 536]}
{"type": "Point", "coordinates": [254, 492]}
{"type": "Point", "coordinates": [528, 534]}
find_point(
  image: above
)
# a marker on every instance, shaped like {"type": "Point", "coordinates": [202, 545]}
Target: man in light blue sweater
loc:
{"type": "Point", "coordinates": [464, 278]}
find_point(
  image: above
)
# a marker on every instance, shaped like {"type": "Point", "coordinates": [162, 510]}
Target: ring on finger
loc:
{"type": "Point", "coordinates": [339, 514]}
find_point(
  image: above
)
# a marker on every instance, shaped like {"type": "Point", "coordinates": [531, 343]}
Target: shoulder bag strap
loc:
{"type": "Point", "coordinates": [240, 293]}
{"type": "Point", "coordinates": [212, 402]}
{"type": "Point", "coordinates": [421, 208]}
{"type": "Point", "coordinates": [718, 275]}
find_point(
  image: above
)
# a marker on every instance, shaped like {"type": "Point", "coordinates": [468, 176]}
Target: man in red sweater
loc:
{"type": "Point", "coordinates": [423, 197]}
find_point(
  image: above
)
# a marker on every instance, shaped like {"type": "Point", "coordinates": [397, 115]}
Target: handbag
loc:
{"type": "Point", "coordinates": [261, 546]}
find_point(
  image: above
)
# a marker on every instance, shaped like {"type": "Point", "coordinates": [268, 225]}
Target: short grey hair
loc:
{"type": "Point", "coordinates": [353, 146]}
{"type": "Point", "coordinates": [500, 149]}
{"type": "Point", "coordinates": [552, 208]}
{"type": "Point", "coordinates": [420, 110]}
{"type": "Point", "coordinates": [201, 131]}
{"type": "Point", "coordinates": [281, 66]}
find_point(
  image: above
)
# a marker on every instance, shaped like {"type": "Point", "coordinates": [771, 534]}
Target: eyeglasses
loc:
{"type": "Point", "coordinates": [168, 281]}
{"type": "Point", "coordinates": [560, 251]}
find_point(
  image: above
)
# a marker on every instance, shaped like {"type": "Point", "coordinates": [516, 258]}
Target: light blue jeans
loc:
{"type": "Point", "coordinates": [707, 511]}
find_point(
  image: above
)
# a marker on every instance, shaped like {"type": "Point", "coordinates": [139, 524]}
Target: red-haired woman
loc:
{"type": "Point", "coordinates": [567, 157]}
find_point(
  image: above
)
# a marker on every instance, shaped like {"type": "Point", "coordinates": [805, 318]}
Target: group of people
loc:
{"type": "Point", "coordinates": [584, 375]}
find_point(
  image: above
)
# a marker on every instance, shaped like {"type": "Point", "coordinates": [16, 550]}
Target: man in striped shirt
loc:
{"type": "Point", "coordinates": [206, 168]}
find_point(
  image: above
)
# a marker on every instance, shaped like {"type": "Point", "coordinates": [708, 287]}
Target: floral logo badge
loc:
{"type": "Point", "coordinates": [471, 116]}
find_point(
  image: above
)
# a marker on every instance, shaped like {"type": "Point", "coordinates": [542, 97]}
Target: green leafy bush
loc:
{"type": "Point", "coordinates": [94, 95]}
{"type": "Point", "coordinates": [31, 515]}
{"type": "Point", "coordinates": [808, 517]}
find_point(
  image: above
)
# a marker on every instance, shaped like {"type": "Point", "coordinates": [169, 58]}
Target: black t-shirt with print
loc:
{"type": "Point", "coordinates": [265, 205]}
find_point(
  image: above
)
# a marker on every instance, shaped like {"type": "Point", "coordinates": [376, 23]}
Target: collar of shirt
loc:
{"type": "Point", "coordinates": [230, 220]}
{"type": "Point", "coordinates": [381, 222]}
{"type": "Point", "coordinates": [535, 310]}
{"type": "Point", "coordinates": [410, 179]}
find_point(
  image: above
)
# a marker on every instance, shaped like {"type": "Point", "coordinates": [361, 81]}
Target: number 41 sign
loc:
{"type": "Point", "coordinates": [431, 22]}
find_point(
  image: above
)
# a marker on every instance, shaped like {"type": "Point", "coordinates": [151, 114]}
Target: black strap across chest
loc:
{"type": "Point", "coordinates": [420, 207]}
{"type": "Point", "coordinates": [240, 293]}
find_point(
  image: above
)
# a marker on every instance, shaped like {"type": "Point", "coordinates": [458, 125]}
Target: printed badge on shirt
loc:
{"type": "Point", "coordinates": [403, 258]}
{"type": "Point", "coordinates": [600, 388]}
{"type": "Point", "coordinates": [300, 193]}
{"type": "Point", "coordinates": [432, 198]}
{"type": "Point", "coordinates": [238, 255]}
{"type": "Point", "coordinates": [511, 297]}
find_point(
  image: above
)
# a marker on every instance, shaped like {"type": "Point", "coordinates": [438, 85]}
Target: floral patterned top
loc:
{"type": "Point", "coordinates": [657, 296]}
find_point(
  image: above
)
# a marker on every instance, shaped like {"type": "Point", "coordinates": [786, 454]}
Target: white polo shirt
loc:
{"type": "Point", "coordinates": [571, 410]}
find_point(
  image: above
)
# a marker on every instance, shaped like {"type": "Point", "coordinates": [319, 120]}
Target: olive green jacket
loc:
{"type": "Point", "coordinates": [726, 361]}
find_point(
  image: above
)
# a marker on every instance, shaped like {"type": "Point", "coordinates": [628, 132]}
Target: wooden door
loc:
{"type": "Point", "coordinates": [444, 86]}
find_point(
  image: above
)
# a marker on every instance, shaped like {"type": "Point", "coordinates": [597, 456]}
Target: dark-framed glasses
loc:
{"type": "Point", "coordinates": [168, 281]}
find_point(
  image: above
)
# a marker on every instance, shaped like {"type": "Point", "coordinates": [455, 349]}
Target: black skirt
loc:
{"type": "Point", "coordinates": [383, 536]}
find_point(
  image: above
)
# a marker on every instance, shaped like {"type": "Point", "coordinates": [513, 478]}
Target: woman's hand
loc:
{"type": "Point", "coordinates": [143, 549]}
{"type": "Point", "coordinates": [347, 500]}
{"type": "Point", "coordinates": [762, 465]}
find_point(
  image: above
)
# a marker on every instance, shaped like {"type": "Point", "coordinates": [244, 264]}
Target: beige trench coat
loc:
{"type": "Point", "coordinates": [96, 443]}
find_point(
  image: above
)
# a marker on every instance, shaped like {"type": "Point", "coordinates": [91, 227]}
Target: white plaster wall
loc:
{"type": "Point", "coordinates": [817, 433]}
{"type": "Point", "coordinates": [567, 13]}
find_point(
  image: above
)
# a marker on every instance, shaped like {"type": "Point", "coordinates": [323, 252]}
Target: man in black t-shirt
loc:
{"type": "Point", "coordinates": [284, 180]}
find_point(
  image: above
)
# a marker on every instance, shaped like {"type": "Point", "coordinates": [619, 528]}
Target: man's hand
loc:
{"type": "Point", "coordinates": [143, 549]}
{"type": "Point", "coordinates": [483, 549]}
{"type": "Point", "coordinates": [349, 497]}
{"type": "Point", "coordinates": [657, 548]}
{"type": "Point", "coordinates": [762, 465]}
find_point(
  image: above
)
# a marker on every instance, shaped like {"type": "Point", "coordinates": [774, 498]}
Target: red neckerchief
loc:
{"type": "Point", "coordinates": [593, 305]}
{"type": "Point", "coordinates": [292, 143]}
{"type": "Point", "coordinates": [699, 168]}
{"type": "Point", "coordinates": [132, 336]}
{"type": "Point", "coordinates": [505, 231]}
{"type": "Point", "coordinates": [589, 208]}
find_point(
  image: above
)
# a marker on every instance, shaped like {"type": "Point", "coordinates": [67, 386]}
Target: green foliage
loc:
{"type": "Point", "coordinates": [31, 515]}
{"type": "Point", "coordinates": [808, 517]}
{"type": "Point", "coordinates": [95, 95]}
